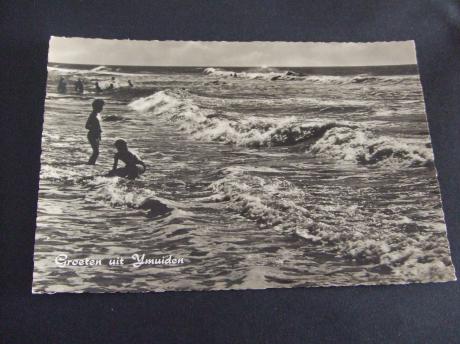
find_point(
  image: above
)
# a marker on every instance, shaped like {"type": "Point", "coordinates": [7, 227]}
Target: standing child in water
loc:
{"type": "Point", "coordinates": [94, 127]}
{"type": "Point", "coordinates": [131, 160]}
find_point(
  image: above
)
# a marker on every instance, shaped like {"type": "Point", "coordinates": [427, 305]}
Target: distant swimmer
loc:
{"type": "Point", "coordinates": [132, 162]}
{"type": "Point", "coordinates": [97, 88]}
{"type": "Point", "coordinates": [111, 86]}
{"type": "Point", "coordinates": [94, 127]}
{"type": "Point", "coordinates": [79, 88]}
{"type": "Point", "coordinates": [62, 86]}
{"type": "Point", "coordinates": [130, 83]}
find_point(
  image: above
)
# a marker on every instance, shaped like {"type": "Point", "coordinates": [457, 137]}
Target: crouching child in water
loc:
{"type": "Point", "coordinates": [134, 166]}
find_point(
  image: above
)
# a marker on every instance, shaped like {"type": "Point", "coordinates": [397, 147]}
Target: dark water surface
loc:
{"type": "Point", "coordinates": [274, 178]}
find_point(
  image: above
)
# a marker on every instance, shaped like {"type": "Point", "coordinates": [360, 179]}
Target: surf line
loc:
{"type": "Point", "coordinates": [140, 260]}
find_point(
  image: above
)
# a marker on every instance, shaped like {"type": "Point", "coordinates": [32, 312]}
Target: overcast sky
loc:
{"type": "Point", "coordinates": [189, 53]}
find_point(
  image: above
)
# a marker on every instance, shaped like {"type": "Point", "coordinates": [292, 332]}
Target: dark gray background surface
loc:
{"type": "Point", "coordinates": [416, 313]}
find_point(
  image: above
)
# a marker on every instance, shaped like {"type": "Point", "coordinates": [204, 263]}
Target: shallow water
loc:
{"type": "Point", "coordinates": [273, 179]}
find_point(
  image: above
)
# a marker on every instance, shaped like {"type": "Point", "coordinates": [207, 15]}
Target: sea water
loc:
{"type": "Point", "coordinates": [273, 177]}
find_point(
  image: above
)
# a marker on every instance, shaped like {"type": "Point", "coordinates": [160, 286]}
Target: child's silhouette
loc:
{"type": "Point", "coordinates": [94, 130]}
{"type": "Point", "coordinates": [131, 160]}
{"type": "Point", "coordinates": [62, 85]}
{"type": "Point", "coordinates": [79, 88]}
{"type": "Point", "coordinates": [97, 88]}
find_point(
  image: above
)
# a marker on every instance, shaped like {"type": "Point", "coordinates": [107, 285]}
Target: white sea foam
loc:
{"type": "Point", "coordinates": [64, 71]}
{"type": "Point", "coordinates": [99, 69]}
{"type": "Point", "coordinates": [273, 75]}
{"type": "Point", "coordinates": [265, 75]}
{"type": "Point", "coordinates": [105, 84]}
{"type": "Point", "coordinates": [337, 140]}
{"type": "Point", "coordinates": [277, 204]}
{"type": "Point", "coordinates": [63, 173]}
{"type": "Point", "coordinates": [364, 78]}
{"type": "Point", "coordinates": [157, 103]}
{"type": "Point", "coordinates": [116, 192]}
{"type": "Point", "coordinates": [362, 146]}
{"type": "Point", "coordinates": [104, 70]}
{"type": "Point", "coordinates": [206, 125]}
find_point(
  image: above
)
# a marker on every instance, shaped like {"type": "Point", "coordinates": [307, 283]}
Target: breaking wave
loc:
{"type": "Point", "coordinates": [267, 75]}
{"type": "Point", "coordinates": [278, 204]}
{"type": "Point", "coordinates": [331, 139]}
{"type": "Point", "coordinates": [209, 125]}
{"type": "Point", "coordinates": [364, 147]}
{"type": "Point", "coordinates": [116, 84]}
{"type": "Point", "coordinates": [273, 75]}
{"type": "Point", "coordinates": [63, 70]}
{"type": "Point", "coordinates": [116, 71]}
{"type": "Point", "coordinates": [116, 192]}
{"type": "Point", "coordinates": [365, 78]}
{"type": "Point", "coordinates": [110, 191]}
{"type": "Point", "coordinates": [100, 69]}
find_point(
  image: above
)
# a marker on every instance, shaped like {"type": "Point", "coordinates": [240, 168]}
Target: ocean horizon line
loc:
{"type": "Point", "coordinates": [218, 66]}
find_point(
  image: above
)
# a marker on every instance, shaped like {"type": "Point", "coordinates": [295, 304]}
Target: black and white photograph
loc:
{"type": "Point", "coordinates": [193, 165]}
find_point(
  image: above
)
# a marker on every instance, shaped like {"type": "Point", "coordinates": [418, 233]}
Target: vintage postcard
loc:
{"type": "Point", "coordinates": [173, 165]}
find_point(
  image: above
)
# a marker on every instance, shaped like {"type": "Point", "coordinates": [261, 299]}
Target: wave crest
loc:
{"type": "Point", "coordinates": [116, 192]}
{"type": "Point", "coordinates": [214, 126]}
{"type": "Point", "coordinates": [100, 69]}
{"type": "Point", "coordinates": [363, 147]}
{"type": "Point", "coordinates": [273, 75]}
{"type": "Point", "coordinates": [280, 205]}
{"type": "Point", "coordinates": [267, 75]}
{"type": "Point", "coordinates": [331, 139]}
